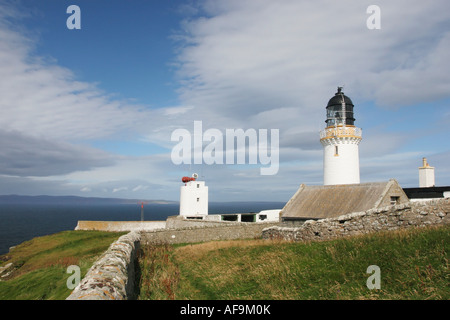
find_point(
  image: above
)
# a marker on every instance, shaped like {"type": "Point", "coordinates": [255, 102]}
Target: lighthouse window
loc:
{"type": "Point", "coordinates": [336, 150]}
{"type": "Point", "coordinates": [198, 199]}
{"type": "Point", "coordinates": [198, 185]}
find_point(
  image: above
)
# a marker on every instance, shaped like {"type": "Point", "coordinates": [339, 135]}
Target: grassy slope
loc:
{"type": "Point", "coordinates": [39, 265]}
{"type": "Point", "coordinates": [413, 264]}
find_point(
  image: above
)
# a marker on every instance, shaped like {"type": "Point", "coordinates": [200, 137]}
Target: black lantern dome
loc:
{"type": "Point", "coordinates": [339, 114]}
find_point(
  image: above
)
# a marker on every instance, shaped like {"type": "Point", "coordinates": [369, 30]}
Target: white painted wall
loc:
{"type": "Point", "coordinates": [341, 167]}
{"type": "Point", "coordinates": [426, 177]}
{"type": "Point", "coordinates": [194, 199]}
{"type": "Point", "coordinates": [272, 215]}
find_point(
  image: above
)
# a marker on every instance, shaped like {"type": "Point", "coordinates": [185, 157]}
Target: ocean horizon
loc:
{"type": "Point", "coordinates": [20, 222]}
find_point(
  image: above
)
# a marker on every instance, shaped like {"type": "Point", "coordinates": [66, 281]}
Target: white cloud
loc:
{"type": "Point", "coordinates": [242, 64]}
{"type": "Point", "coordinates": [119, 189]}
{"type": "Point", "coordinates": [271, 64]}
{"type": "Point", "coordinates": [45, 100]}
{"type": "Point", "coordinates": [23, 155]}
{"type": "Point", "coordinates": [250, 57]}
{"type": "Point", "coordinates": [140, 187]}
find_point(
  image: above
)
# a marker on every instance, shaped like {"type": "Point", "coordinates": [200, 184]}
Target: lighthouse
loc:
{"type": "Point", "coordinates": [340, 140]}
{"type": "Point", "coordinates": [193, 198]}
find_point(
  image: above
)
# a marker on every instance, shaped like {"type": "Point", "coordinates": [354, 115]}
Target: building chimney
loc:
{"type": "Point", "coordinates": [426, 175]}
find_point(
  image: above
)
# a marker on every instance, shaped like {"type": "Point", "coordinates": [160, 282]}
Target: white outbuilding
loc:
{"type": "Point", "coordinates": [193, 198]}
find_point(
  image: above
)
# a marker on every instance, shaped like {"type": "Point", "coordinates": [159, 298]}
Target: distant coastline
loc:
{"type": "Point", "coordinates": [68, 200]}
{"type": "Point", "coordinates": [44, 199]}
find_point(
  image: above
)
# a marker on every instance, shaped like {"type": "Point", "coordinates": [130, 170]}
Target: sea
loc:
{"type": "Point", "coordinates": [22, 222]}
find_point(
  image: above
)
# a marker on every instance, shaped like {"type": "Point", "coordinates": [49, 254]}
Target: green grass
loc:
{"type": "Point", "coordinates": [39, 265]}
{"type": "Point", "coordinates": [158, 273]}
{"type": "Point", "coordinates": [413, 265]}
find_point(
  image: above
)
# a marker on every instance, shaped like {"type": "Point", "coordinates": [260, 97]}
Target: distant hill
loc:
{"type": "Point", "coordinates": [72, 200]}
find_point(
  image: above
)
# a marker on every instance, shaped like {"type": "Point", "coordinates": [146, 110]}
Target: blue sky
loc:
{"type": "Point", "coordinates": [90, 112]}
{"type": "Point", "coordinates": [123, 47]}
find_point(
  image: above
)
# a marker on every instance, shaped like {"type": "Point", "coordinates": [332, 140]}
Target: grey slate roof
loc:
{"type": "Point", "coordinates": [319, 202]}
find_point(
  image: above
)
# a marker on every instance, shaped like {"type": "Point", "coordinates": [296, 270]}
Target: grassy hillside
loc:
{"type": "Point", "coordinates": [413, 265]}
{"type": "Point", "coordinates": [39, 265]}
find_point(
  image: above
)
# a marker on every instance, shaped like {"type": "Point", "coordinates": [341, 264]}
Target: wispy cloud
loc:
{"type": "Point", "coordinates": [240, 64]}
{"type": "Point", "coordinates": [250, 57]}
{"type": "Point", "coordinates": [24, 155]}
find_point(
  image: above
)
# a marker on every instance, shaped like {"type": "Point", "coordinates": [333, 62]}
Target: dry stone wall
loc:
{"type": "Point", "coordinates": [120, 226]}
{"type": "Point", "coordinates": [112, 277]}
{"type": "Point", "coordinates": [239, 230]}
{"type": "Point", "coordinates": [176, 222]}
{"type": "Point", "coordinates": [386, 218]}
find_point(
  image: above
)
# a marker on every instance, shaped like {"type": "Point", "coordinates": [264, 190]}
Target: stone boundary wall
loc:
{"type": "Point", "coordinates": [239, 230]}
{"type": "Point", "coordinates": [387, 218]}
{"type": "Point", "coordinates": [177, 222]}
{"type": "Point", "coordinates": [120, 226]}
{"type": "Point", "coordinates": [112, 277]}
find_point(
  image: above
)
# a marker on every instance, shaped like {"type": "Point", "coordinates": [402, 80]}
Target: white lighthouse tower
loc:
{"type": "Point", "coordinates": [340, 140]}
{"type": "Point", "coordinates": [193, 198]}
